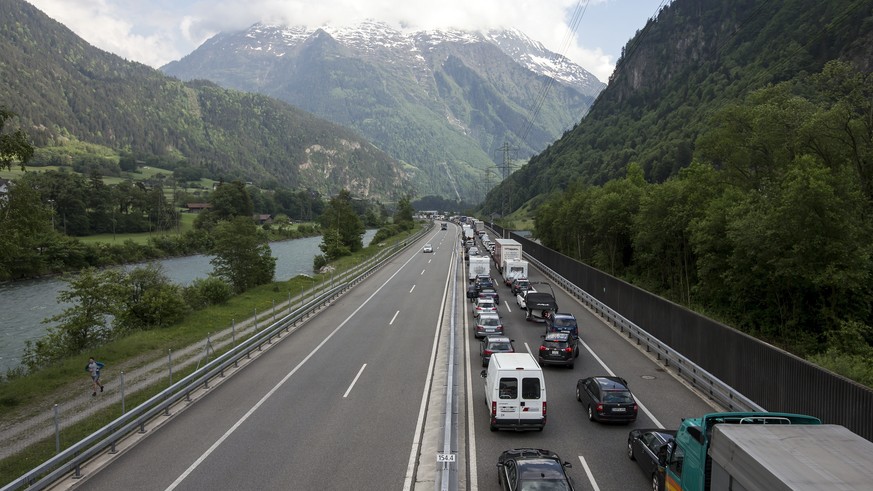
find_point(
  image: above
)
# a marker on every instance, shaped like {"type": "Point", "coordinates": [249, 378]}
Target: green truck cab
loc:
{"type": "Point", "coordinates": [688, 463]}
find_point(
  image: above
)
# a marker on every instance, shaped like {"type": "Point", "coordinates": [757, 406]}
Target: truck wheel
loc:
{"type": "Point", "coordinates": [655, 486]}
{"type": "Point", "coordinates": [492, 428]}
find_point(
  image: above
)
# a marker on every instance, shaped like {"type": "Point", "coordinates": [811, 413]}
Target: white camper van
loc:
{"type": "Point", "coordinates": [515, 392]}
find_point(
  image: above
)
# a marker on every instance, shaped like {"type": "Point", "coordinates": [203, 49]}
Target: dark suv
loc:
{"type": "Point", "coordinates": [484, 281]}
{"type": "Point", "coordinates": [558, 348]}
{"type": "Point", "coordinates": [562, 322]}
{"type": "Point", "coordinates": [607, 399]}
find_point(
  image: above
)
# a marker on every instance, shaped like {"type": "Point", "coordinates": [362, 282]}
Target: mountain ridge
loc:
{"type": "Point", "coordinates": [443, 101]}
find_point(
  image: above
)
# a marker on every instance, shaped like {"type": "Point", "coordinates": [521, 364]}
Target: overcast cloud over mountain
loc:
{"type": "Point", "coordinates": [155, 32]}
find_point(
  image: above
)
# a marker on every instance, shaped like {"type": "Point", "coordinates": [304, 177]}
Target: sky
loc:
{"type": "Point", "coordinates": [154, 32]}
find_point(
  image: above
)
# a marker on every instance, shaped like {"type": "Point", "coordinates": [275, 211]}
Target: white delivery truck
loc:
{"type": "Point", "coordinates": [468, 232]}
{"type": "Point", "coordinates": [505, 249]}
{"type": "Point", "coordinates": [515, 392]}
{"type": "Point", "coordinates": [478, 265]}
{"type": "Point", "coordinates": [514, 268]}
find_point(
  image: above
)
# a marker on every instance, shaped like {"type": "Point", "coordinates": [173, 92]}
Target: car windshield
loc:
{"type": "Point", "coordinates": [564, 322]}
{"type": "Point", "coordinates": [617, 397]}
{"type": "Point", "coordinates": [490, 321]}
{"type": "Point", "coordinates": [498, 346]}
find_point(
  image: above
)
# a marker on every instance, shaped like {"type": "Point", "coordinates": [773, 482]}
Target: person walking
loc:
{"type": "Point", "coordinates": [94, 367]}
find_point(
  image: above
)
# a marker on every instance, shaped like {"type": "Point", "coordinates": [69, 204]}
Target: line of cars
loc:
{"type": "Point", "coordinates": [603, 398]}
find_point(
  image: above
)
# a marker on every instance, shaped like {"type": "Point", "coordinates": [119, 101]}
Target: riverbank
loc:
{"type": "Point", "coordinates": [24, 305]}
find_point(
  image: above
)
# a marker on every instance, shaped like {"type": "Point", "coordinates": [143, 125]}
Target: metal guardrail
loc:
{"type": "Point", "coordinates": [71, 459]}
{"type": "Point", "coordinates": [699, 378]}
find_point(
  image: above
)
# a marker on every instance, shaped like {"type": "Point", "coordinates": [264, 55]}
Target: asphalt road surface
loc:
{"type": "Point", "coordinates": [339, 403]}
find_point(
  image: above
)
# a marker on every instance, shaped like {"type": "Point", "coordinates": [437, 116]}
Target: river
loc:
{"type": "Point", "coordinates": [25, 304]}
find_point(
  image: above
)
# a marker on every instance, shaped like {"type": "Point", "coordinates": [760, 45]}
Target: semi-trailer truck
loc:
{"type": "Point", "coordinates": [766, 451]}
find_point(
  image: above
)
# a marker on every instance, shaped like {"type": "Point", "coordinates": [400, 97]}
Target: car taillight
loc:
{"type": "Point", "coordinates": [600, 408]}
{"type": "Point", "coordinates": [488, 352]}
{"type": "Point", "coordinates": [544, 409]}
{"type": "Point", "coordinates": [635, 408]}
{"type": "Point", "coordinates": [568, 349]}
{"type": "Point", "coordinates": [542, 348]}
{"type": "Point", "coordinates": [493, 408]}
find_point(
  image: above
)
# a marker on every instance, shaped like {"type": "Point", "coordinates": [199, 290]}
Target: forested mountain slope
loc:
{"type": "Point", "coordinates": [62, 88]}
{"type": "Point", "coordinates": [697, 56]}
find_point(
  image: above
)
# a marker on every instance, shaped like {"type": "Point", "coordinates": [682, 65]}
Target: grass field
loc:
{"type": "Point", "coordinates": [142, 174]}
{"type": "Point", "coordinates": [142, 238]}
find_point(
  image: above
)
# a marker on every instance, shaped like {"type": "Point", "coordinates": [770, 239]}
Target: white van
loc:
{"type": "Point", "coordinates": [515, 392]}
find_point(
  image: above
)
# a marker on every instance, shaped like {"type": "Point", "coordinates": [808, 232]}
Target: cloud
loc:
{"type": "Point", "coordinates": [155, 32]}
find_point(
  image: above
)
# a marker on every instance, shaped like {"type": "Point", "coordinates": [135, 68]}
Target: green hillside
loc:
{"type": "Point", "coordinates": [61, 87]}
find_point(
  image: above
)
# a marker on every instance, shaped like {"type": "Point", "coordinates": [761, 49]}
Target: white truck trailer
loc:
{"type": "Point", "coordinates": [468, 232]}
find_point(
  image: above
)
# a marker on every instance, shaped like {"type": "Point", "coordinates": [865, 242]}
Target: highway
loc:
{"type": "Point", "coordinates": [339, 403]}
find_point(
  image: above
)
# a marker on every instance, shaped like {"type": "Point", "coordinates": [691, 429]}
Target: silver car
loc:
{"type": "Point", "coordinates": [484, 305]}
{"type": "Point", "coordinates": [488, 323]}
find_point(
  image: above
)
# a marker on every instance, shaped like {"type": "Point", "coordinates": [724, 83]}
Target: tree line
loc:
{"type": "Point", "coordinates": [770, 229]}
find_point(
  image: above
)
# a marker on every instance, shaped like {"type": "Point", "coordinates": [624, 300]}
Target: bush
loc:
{"type": "Point", "coordinates": [319, 262]}
{"type": "Point", "coordinates": [206, 291]}
{"type": "Point", "coordinates": [215, 290]}
{"type": "Point", "coordinates": [385, 232]}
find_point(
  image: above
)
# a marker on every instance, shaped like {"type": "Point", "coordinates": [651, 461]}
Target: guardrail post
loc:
{"type": "Point", "coordinates": [256, 320]}
{"type": "Point", "coordinates": [170, 363]}
{"type": "Point", "coordinates": [57, 432]}
{"type": "Point", "coordinates": [122, 394]}
{"type": "Point", "coordinates": [274, 310]}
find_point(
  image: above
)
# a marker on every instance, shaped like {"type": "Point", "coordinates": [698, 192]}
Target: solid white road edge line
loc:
{"type": "Point", "coordinates": [419, 424]}
{"type": "Point", "coordinates": [640, 404]}
{"type": "Point", "coordinates": [354, 381]}
{"type": "Point", "coordinates": [393, 318]}
{"type": "Point", "coordinates": [590, 475]}
{"type": "Point", "coordinates": [473, 485]}
{"type": "Point", "coordinates": [276, 387]}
